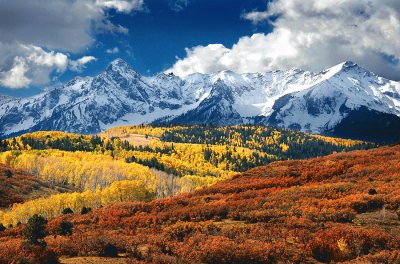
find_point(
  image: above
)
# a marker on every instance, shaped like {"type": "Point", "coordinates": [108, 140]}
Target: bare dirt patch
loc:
{"type": "Point", "coordinates": [92, 260]}
{"type": "Point", "coordinates": [384, 218]}
{"type": "Point", "coordinates": [139, 140]}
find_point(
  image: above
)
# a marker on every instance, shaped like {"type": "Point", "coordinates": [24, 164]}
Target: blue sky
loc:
{"type": "Point", "coordinates": [44, 43]}
{"type": "Point", "coordinates": [160, 34]}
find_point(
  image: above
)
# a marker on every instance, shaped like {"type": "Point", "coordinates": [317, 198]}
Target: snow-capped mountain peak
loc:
{"type": "Point", "coordinates": [119, 70]}
{"type": "Point", "coordinates": [348, 67]}
{"type": "Point", "coordinates": [119, 63]}
{"type": "Point", "coordinates": [348, 64]}
{"type": "Point", "coordinates": [323, 102]}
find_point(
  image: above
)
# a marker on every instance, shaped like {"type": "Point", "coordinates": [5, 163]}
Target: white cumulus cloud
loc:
{"type": "Point", "coordinates": [36, 37]}
{"type": "Point", "coordinates": [15, 77]}
{"type": "Point", "coordinates": [32, 65]}
{"type": "Point", "coordinates": [79, 64]}
{"type": "Point", "coordinates": [256, 16]}
{"type": "Point", "coordinates": [309, 34]}
{"type": "Point", "coordinates": [39, 57]}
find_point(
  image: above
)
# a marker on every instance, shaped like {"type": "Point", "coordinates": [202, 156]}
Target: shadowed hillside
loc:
{"type": "Point", "coordinates": [17, 186]}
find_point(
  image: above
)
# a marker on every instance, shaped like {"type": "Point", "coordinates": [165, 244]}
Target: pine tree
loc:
{"type": "Point", "coordinates": [8, 173]}
{"type": "Point", "coordinates": [65, 228]}
{"type": "Point", "coordinates": [35, 230]}
{"type": "Point", "coordinates": [67, 211]}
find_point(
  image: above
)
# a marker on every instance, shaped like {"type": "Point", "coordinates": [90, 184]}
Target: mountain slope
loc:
{"type": "Point", "coordinates": [366, 124]}
{"type": "Point", "coordinates": [325, 102]}
{"type": "Point", "coordinates": [5, 99]}
{"type": "Point", "coordinates": [342, 92]}
{"type": "Point", "coordinates": [17, 186]}
{"type": "Point", "coordinates": [215, 109]}
{"type": "Point", "coordinates": [342, 207]}
{"type": "Point", "coordinates": [85, 105]}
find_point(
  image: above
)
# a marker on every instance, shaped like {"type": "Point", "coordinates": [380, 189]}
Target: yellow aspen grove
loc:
{"type": "Point", "coordinates": [54, 205]}
{"type": "Point", "coordinates": [143, 162]}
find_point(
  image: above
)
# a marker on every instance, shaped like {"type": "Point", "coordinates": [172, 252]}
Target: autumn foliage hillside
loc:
{"type": "Point", "coordinates": [17, 186]}
{"type": "Point", "coordinates": [138, 163]}
{"type": "Point", "coordinates": [338, 208]}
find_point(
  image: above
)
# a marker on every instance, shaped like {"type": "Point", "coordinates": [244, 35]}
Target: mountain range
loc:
{"type": "Point", "coordinates": [345, 100]}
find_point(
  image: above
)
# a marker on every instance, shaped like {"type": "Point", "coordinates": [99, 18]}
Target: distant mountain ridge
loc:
{"type": "Point", "coordinates": [345, 100]}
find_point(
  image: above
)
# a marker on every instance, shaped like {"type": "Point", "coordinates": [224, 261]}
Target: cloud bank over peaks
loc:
{"type": "Point", "coordinates": [308, 34]}
{"type": "Point", "coordinates": [32, 65]}
{"type": "Point", "coordinates": [37, 37]}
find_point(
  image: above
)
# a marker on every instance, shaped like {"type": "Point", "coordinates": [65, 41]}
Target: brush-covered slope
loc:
{"type": "Point", "coordinates": [342, 207]}
{"type": "Point", "coordinates": [18, 186]}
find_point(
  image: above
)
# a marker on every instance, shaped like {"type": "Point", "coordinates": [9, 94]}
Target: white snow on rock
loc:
{"type": "Point", "coordinates": [119, 95]}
